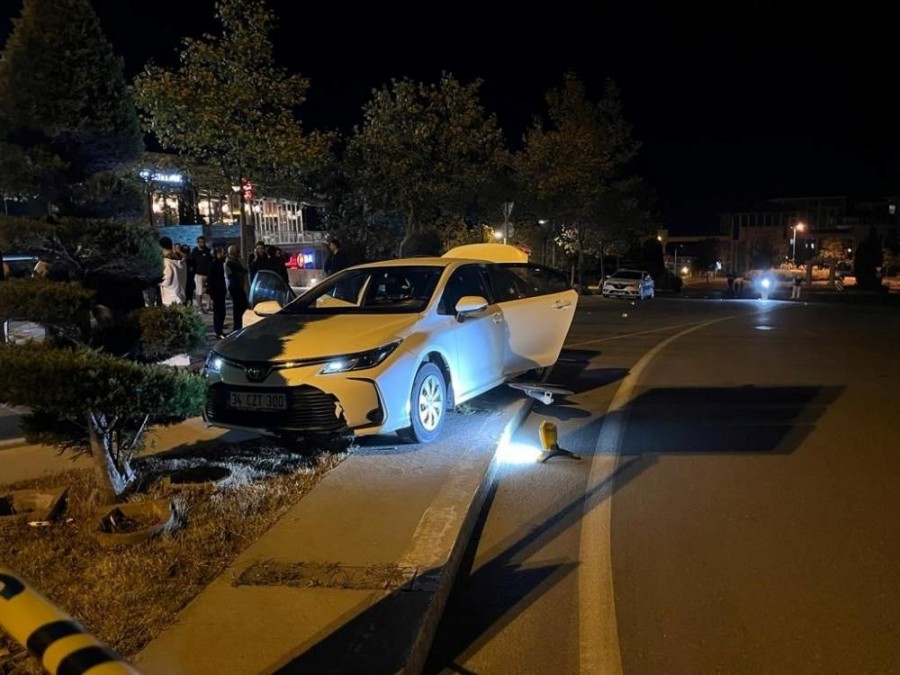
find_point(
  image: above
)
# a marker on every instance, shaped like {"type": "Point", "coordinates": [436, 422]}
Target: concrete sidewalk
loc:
{"type": "Point", "coordinates": [355, 576]}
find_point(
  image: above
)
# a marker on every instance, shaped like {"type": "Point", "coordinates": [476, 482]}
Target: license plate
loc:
{"type": "Point", "coordinates": [246, 400]}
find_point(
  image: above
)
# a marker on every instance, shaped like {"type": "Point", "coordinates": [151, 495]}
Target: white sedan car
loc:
{"type": "Point", "coordinates": [389, 346]}
{"type": "Point", "coordinates": [628, 284]}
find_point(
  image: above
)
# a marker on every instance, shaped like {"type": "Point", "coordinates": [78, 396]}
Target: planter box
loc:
{"type": "Point", "coordinates": [128, 524]}
{"type": "Point", "coordinates": [19, 507]}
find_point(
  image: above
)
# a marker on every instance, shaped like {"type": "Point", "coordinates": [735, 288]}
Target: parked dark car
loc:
{"type": "Point", "coordinates": [19, 265]}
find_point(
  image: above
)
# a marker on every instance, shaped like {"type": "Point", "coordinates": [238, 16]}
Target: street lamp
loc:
{"type": "Point", "coordinates": [798, 226]}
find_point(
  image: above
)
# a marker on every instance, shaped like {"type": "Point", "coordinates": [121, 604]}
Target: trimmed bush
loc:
{"type": "Point", "coordinates": [167, 331]}
{"type": "Point", "coordinates": [63, 306]}
{"type": "Point", "coordinates": [84, 399]}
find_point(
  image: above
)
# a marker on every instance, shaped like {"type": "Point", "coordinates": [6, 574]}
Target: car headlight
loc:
{"type": "Point", "coordinates": [361, 361]}
{"type": "Point", "coordinates": [766, 283]}
{"type": "Point", "coordinates": [214, 363]}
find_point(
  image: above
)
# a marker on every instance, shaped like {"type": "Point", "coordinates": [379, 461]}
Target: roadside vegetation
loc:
{"type": "Point", "coordinates": [127, 595]}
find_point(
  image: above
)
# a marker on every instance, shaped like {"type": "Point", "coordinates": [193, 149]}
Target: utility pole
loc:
{"type": "Point", "coordinates": [507, 212]}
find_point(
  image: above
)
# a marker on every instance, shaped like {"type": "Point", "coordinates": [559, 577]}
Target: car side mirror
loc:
{"type": "Point", "coordinates": [469, 304]}
{"type": "Point", "coordinates": [267, 308]}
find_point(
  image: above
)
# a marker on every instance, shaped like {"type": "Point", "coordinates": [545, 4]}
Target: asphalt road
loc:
{"type": "Point", "coordinates": [734, 510]}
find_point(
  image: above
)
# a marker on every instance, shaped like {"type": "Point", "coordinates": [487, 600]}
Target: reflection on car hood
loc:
{"type": "Point", "coordinates": [288, 337]}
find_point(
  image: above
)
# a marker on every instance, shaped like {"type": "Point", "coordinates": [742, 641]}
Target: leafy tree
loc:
{"type": "Point", "coordinates": [869, 257]}
{"type": "Point", "coordinates": [424, 152]}
{"type": "Point", "coordinates": [67, 118]}
{"type": "Point", "coordinates": [230, 106]}
{"type": "Point", "coordinates": [575, 165]}
{"type": "Point", "coordinates": [67, 122]}
{"type": "Point", "coordinates": [832, 248]}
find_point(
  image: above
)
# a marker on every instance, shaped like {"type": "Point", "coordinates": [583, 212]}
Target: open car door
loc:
{"type": "Point", "coordinates": [267, 288]}
{"type": "Point", "coordinates": [538, 306]}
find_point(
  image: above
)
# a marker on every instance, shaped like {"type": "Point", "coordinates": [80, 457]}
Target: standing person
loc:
{"type": "Point", "coordinates": [258, 259]}
{"type": "Point", "coordinates": [277, 263]}
{"type": "Point", "coordinates": [202, 258]}
{"type": "Point", "coordinates": [236, 283]}
{"type": "Point", "coordinates": [189, 285]}
{"type": "Point", "coordinates": [730, 281]}
{"type": "Point", "coordinates": [336, 261]}
{"type": "Point", "coordinates": [215, 287]}
{"type": "Point", "coordinates": [2, 267]}
{"type": "Point", "coordinates": [174, 278]}
{"type": "Point", "coordinates": [284, 259]}
{"type": "Point", "coordinates": [795, 291]}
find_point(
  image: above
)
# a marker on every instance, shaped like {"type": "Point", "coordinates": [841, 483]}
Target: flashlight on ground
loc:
{"type": "Point", "coordinates": [549, 442]}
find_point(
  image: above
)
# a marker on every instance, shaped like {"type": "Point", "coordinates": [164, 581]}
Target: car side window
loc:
{"type": "Point", "coordinates": [465, 280]}
{"type": "Point", "coordinates": [514, 282]}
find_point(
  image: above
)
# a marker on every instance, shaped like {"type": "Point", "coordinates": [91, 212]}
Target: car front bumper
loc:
{"type": "Point", "coordinates": [363, 402]}
{"type": "Point", "coordinates": [623, 292]}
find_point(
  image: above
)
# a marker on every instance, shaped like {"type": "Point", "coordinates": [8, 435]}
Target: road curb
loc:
{"type": "Point", "coordinates": [421, 646]}
{"type": "Point", "coordinates": [12, 443]}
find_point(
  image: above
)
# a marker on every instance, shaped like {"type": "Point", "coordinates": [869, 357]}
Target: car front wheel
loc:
{"type": "Point", "coordinates": [427, 405]}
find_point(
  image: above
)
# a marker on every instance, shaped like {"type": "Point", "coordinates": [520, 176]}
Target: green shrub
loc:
{"type": "Point", "coordinates": [81, 398]}
{"type": "Point", "coordinates": [63, 306]}
{"type": "Point", "coordinates": [166, 331]}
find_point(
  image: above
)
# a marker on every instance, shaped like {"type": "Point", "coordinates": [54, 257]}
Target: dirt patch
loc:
{"type": "Point", "coordinates": [127, 596]}
{"type": "Point", "coordinates": [387, 576]}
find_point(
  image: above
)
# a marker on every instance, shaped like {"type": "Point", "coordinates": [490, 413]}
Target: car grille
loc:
{"type": "Point", "coordinates": [309, 409]}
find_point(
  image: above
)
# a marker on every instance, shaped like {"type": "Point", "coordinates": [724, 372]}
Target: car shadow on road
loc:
{"type": "Point", "coordinates": [724, 420]}
{"type": "Point", "coordinates": [367, 641]}
{"type": "Point", "coordinates": [715, 420]}
{"type": "Point", "coordinates": [505, 586]}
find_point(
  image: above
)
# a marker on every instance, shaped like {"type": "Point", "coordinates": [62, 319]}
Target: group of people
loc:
{"type": "Point", "coordinates": [189, 276]}
{"type": "Point", "coordinates": [269, 258]}
{"type": "Point", "coordinates": [215, 274]}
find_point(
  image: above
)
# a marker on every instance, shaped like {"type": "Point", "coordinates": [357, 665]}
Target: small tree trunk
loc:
{"type": "Point", "coordinates": [111, 482]}
{"type": "Point", "coordinates": [409, 230]}
{"type": "Point", "coordinates": [602, 266]}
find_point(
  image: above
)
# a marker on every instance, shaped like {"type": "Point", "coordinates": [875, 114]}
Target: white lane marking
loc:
{"type": "Point", "coordinates": [597, 628]}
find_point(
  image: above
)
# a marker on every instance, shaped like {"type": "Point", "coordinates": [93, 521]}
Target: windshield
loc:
{"type": "Point", "coordinates": [388, 290]}
{"type": "Point", "coordinates": [627, 274]}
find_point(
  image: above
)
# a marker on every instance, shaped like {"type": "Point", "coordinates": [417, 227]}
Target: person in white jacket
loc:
{"type": "Point", "coordinates": [174, 279]}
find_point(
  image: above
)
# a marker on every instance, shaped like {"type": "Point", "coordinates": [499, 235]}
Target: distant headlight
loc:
{"type": "Point", "coordinates": [361, 361]}
{"type": "Point", "coordinates": [766, 282]}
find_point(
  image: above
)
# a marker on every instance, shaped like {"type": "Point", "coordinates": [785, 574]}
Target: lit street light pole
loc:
{"type": "Point", "coordinates": [798, 226]}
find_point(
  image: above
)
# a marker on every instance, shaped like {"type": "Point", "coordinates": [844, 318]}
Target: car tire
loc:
{"type": "Point", "coordinates": [427, 405]}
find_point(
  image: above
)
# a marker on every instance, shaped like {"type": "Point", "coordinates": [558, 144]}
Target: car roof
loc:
{"type": "Point", "coordinates": [408, 262]}
{"type": "Point", "coordinates": [628, 269]}
{"type": "Point", "coordinates": [497, 253]}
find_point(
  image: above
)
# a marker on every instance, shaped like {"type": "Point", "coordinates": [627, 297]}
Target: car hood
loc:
{"type": "Point", "coordinates": [288, 337]}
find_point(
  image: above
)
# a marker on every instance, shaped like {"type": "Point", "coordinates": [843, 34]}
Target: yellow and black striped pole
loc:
{"type": "Point", "coordinates": [60, 643]}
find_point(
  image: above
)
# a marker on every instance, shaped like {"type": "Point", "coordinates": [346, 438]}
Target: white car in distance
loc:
{"type": "Point", "coordinates": [628, 284]}
{"type": "Point", "coordinates": [389, 346]}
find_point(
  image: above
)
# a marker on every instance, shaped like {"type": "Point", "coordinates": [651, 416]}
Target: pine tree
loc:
{"type": "Point", "coordinates": [65, 110]}
{"type": "Point", "coordinates": [68, 131]}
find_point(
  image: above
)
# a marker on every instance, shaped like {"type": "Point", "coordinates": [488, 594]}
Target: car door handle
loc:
{"type": "Point", "coordinates": [559, 304]}
{"type": "Point", "coordinates": [497, 317]}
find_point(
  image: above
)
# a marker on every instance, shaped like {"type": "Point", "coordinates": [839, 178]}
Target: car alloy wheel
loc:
{"type": "Point", "coordinates": [428, 404]}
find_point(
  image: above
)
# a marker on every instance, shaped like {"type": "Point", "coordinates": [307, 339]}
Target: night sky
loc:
{"type": "Point", "coordinates": [733, 103]}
